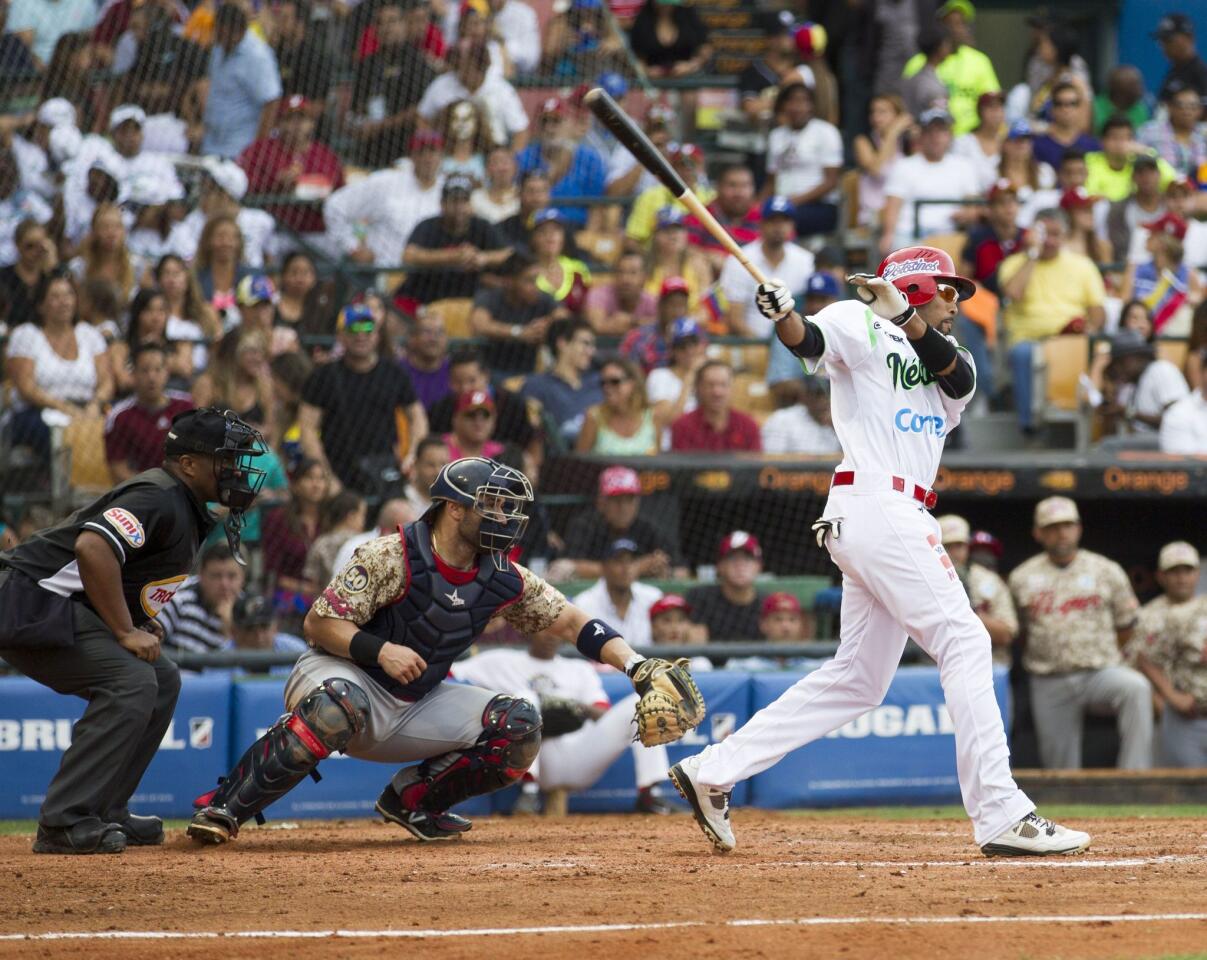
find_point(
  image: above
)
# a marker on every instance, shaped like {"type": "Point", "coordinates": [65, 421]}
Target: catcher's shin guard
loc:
{"type": "Point", "coordinates": [511, 737]}
{"type": "Point", "coordinates": [323, 722]}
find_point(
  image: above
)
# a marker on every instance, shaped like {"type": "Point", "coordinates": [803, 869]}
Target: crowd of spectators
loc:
{"type": "Point", "coordinates": [353, 225]}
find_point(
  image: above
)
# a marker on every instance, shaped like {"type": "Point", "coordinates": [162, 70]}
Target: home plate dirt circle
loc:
{"type": "Point", "coordinates": [797, 886]}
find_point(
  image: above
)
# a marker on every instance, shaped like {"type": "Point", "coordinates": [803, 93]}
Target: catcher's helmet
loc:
{"type": "Point", "coordinates": [497, 493]}
{"type": "Point", "coordinates": [916, 271]}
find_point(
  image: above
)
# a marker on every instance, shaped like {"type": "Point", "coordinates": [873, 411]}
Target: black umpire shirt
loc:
{"type": "Point", "coordinates": [153, 524]}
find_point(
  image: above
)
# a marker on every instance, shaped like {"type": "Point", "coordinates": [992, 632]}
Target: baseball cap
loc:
{"type": "Point", "coordinates": [356, 318]}
{"type": "Point", "coordinates": [1076, 198]}
{"type": "Point", "coordinates": [228, 176]}
{"type": "Point", "coordinates": [659, 114]}
{"type": "Point", "coordinates": [619, 482]}
{"type": "Point", "coordinates": [685, 328]}
{"type": "Point", "coordinates": [613, 83]}
{"type": "Point", "coordinates": [672, 285]}
{"type": "Point", "coordinates": [953, 529]}
{"type": "Point", "coordinates": [1144, 161]}
{"type": "Point", "coordinates": [1177, 554]}
{"type": "Point", "coordinates": [935, 115]}
{"type": "Point", "coordinates": [196, 431]}
{"type": "Point", "coordinates": [426, 140]}
{"type": "Point", "coordinates": [669, 217]}
{"type": "Point", "coordinates": [667, 602]}
{"type": "Point", "coordinates": [740, 540]}
{"type": "Point", "coordinates": [988, 97]}
{"type": "Point", "coordinates": [293, 104]}
{"type": "Point", "coordinates": [256, 288]}
{"type": "Point", "coordinates": [127, 111]}
{"type": "Point", "coordinates": [548, 215]}
{"type": "Point", "coordinates": [1127, 343]}
{"type": "Point", "coordinates": [822, 285]}
{"type": "Point", "coordinates": [553, 106]}
{"type": "Point", "coordinates": [983, 540]}
{"type": "Point", "coordinates": [1001, 188]}
{"type": "Point", "coordinates": [779, 603]}
{"type": "Point", "coordinates": [1172, 24]}
{"type": "Point", "coordinates": [623, 545]}
{"type": "Point", "coordinates": [474, 400]}
{"type": "Point", "coordinates": [1019, 129]}
{"type": "Point", "coordinates": [1169, 222]}
{"type": "Point", "coordinates": [457, 183]}
{"type": "Point", "coordinates": [685, 151]}
{"type": "Point", "coordinates": [252, 610]}
{"type": "Point", "coordinates": [1056, 510]}
{"type": "Point", "coordinates": [956, 6]}
{"type": "Point", "coordinates": [1180, 182]}
{"type": "Point", "coordinates": [778, 206]}
{"type": "Point", "coordinates": [56, 112]}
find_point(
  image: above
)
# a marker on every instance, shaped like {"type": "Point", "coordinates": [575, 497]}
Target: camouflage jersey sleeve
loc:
{"type": "Point", "coordinates": [372, 579]}
{"type": "Point", "coordinates": [538, 607]}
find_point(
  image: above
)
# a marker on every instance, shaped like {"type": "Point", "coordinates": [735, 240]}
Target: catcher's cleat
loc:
{"type": "Point", "coordinates": [709, 806]}
{"type": "Point", "coordinates": [421, 824]}
{"type": "Point", "coordinates": [1033, 836]}
{"type": "Point", "coordinates": [651, 800]}
{"type": "Point", "coordinates": [213, 825]}
{"type": "Point", "coordinates": [141, 831]}
{"type": "Point", "coordinates": [80, 838]}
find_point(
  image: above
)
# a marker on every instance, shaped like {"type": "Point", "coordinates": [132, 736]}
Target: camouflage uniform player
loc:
{"type": "Point", "coordinates": [1170, 648]}
{"type": "Point", "coordinates": [384, 634]}
{"type": "Point", "coordinates": [987, 592]}
{"type": "Point", "coordinates": [1078, 610]}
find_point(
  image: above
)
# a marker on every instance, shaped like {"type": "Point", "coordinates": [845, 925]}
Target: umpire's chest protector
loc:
{"type": "Point", "coordinates": [435, 618]}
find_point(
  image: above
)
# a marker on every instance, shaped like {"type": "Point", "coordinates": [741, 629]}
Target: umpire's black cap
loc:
{"type": "Point", "coordinates": [206, 431]}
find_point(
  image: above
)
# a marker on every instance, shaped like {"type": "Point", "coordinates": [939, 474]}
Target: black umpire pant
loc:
{"type": "Point", "coordinates": [130, 704]}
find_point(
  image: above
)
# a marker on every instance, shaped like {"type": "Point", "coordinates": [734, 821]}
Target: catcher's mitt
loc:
{"type": "Point", "coordinates": [670, 703]}
{"type": "Point", "coordinates": [560, 716]}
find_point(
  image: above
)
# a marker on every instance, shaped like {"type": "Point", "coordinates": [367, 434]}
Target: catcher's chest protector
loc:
{"type": "Point", "coordinates": [435, 618]}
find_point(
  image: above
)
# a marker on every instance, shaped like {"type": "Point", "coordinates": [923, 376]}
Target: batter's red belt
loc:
{"type": "Point", "coordinates": [928, 498]}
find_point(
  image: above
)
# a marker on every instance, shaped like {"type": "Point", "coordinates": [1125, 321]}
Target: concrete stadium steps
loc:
{"type": "Point", "coordinates": [1160, 786]}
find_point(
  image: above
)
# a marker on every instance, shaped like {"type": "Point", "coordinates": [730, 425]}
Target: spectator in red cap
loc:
{"type": "Point", "coordinates": [1165, 284]}
{"type": "Point", "coordinates": [670, 620]}
{"type": "Point", "coordinates": [387, 87]}
{"type": "Point", "coordinates": [514, 425]}
{"type": "Point", "coordinates": [617, 307]}
{"type": "Point", "coordinates": [992, 241]}
{"type": "Point", "coordinates": [473, 427]}
{"type": "Point", "coordinates": [649, 344]}
{"type": "Point", "coordinates": [781, 619]}
{"type": "Point", "coordinates": [1083, 236]}
{"type": "Point", "coordinates": [730, 609]}
{"type": "Point", "coordinates": [574, 169]}
{"type": "Point", "coordinates": [291, 161]}
{"type": "Point", "coordinates": [370, 221]}
{"type": "Point", "coordinates": [715, 426]}
{"type": "Point", "coordinates": [985, 550]}
{"type": "Point", "coordinates": [615, 518]}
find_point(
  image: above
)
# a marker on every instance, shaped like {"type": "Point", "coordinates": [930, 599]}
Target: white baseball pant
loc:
{"type": "Point", "coordinates": [897, 582]}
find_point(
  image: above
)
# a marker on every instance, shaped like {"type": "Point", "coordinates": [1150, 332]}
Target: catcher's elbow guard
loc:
{"type": "Point", "coordinates": [592, 637]}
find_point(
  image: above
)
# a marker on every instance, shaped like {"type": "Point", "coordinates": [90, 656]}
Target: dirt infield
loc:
{"type": "Point", "coordinates": [798, 886]}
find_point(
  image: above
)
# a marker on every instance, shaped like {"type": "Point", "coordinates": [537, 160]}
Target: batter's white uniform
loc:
{"type": "Point", "coordinates": [891, 418]}
{"type": "Point", "coordinates": [573, 761]}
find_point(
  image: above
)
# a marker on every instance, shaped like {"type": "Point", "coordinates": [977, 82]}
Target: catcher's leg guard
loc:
{"type": "Point", "coordinates": [511, 737]}
{"type": "Point", "coordinates": [324, 721]}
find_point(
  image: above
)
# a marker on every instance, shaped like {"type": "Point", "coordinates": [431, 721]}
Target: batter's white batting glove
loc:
{"type": "Point", "coordinates": [886, 301]}
{"type": "Point", "coordinates": [774, 300]}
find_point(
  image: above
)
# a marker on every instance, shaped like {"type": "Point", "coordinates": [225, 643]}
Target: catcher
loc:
{"type": "Point", "coordinates": [384, 635]}
{"type": "Point", "coordinates": [582, 733]}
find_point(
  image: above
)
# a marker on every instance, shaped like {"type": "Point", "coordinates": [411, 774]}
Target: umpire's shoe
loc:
{"type": "Point", "coordinates": [709, 806]}
{"type": "Point", "coordinates": [140, 831]}
{"type": "Point", "coordinates": [213, 825]}
{"type": "Point", "coordinates": [88, 836]}
{"type": "Point", "coordinates": [1034, 836]}
{"type": "Point", "coordinates": [423, 825]}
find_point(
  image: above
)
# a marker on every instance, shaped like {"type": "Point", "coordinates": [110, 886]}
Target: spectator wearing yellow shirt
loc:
{"type": "Point", "coordinates": [1109, 170]}
{"type": "Point", "coordinates": [686, 158]}
{"type": "Point", "coordinates": [967, 73]}
{"type": "Point", "coordinates": [1050, 290]}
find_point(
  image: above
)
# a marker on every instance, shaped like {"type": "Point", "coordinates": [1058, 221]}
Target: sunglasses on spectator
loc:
{"type": "Point", "coordinates": [613, 381]}
{"type": "Point", "coordinates": [1066, 103]}
{"type": "Point", "coordinates": [947, 292]}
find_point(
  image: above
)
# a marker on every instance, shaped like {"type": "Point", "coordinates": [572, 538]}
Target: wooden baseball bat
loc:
{"type": "Point", "coordinates": [639, 145]}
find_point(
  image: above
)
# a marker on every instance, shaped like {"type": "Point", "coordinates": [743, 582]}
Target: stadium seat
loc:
{"type": "Point", "coordinates": [1060, 362]}
{"type": "Point", "coordinates": [84, 441]}
{"type": "Point", "coordinates": [1175, 351]}
{"type": "Point", "coordinates": [750, 395]}
{"type": "Point", "coordinates": [454, 311]}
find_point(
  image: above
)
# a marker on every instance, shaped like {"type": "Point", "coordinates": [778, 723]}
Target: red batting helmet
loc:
{"type": "Point", "coordinates": [915, 271]}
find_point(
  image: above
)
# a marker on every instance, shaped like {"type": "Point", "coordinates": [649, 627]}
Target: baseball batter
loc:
{"type": "Point", "coordinates": [384, 634]}
{"type": "Point", "coordinates": [899, 384]}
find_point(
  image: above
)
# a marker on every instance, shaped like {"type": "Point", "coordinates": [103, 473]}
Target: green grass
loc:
{"type": "Point", "coordinates": [1080, 811]}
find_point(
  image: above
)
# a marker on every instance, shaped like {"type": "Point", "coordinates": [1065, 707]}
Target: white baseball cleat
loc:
{"type": "Point", "coordinates": [1033, 836]}
{"type": "Point", "coordinates": [709, 806]}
